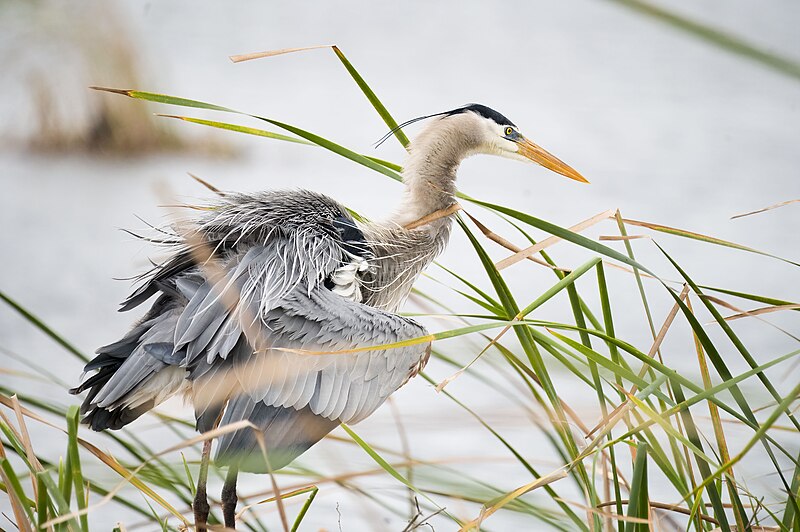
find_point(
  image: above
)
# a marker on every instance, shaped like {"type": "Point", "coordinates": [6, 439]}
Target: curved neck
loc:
{"type": "Point", "coordinates": [430, 170]}
{"type": "Point", "coordinates": [429, 175]}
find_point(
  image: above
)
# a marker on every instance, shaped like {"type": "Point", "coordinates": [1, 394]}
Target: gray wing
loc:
{"type": "Point", "coordinates": [196, 321]}
{"type": "Point", "coordinates": [346, 387]}
{"type": "Point", "coordinates": [231, 339]}
{"type": "Point", "coordinates": [265, 370]}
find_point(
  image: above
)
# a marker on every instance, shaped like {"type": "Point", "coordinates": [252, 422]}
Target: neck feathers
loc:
{"type": "Point", "coordinates": [429, 175]}
{"type": "Point", "coordinates": [430, 170]}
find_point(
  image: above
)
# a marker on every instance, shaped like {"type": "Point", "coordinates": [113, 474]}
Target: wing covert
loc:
{"type": "Point", "coordinates": [274, 368]}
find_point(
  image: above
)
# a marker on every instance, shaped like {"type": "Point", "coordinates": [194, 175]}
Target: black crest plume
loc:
{"type": "Point", "coordinates": [482, 110]}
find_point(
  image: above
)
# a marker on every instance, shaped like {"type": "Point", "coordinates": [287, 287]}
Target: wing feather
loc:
{"type": "Point", "coordinates": [240, 337]}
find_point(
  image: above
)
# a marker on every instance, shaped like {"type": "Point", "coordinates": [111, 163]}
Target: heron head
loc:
{"type": "Point", "coordinates": [494, 134]}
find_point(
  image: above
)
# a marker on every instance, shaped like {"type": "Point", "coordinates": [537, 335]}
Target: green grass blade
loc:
{"type": "Point", "coordinates": [486, 297]}
{"type": "Point", "coordinates": [608, 320]}
{"type": "Point", "coordinates": [565, 282]}
{"type": "Point", "coordinates": [189, 478]}
{"type": "Point", "coordinates": [165, 98]}
{"type": "Point", "coordinates": [705, 471]}
{"type": "Point", "coordinates": [534, 356]}
{"type": "Point", "coordinates": [791, 517]}
{"type": "Point", "coordinates": [16, 445]}
{"type": "Point", "coordinates": [74, 462]}
{"type": "Point", "coordinates": [677, 457]}
{"type": "Point", "coordinates": [373, 99]}
{"type": "Point", "coordinates": [335, 148]}
{"type": "Point", "coordinates": [61, 504]}
{"type": "Point", "coordinates": [14, 486]}
{"type": "Point", "coordinates": [304, 509]}
{"type": "Point", "coordinates": [39, 324]}
{"type": "Point", "coordinates": [316, 139]}
{"type": "Point", "coordinates": [723, 371]}
{"type": "Point", "coordinates": [566, 234]}
{"type": "Point", "coordinates": [268, 134]}
{"type": "Point", "coordinates": [639, 503]}
{"type": "Point", "coordinates": [661, 420]}
{"type": "Point", "coordinates": [638, 276]}
{"type": "Point", "coordinates": [65, 478]}
{"type": "Point", "coordinates": [42, 502]}
{"type": "Point", "coordinates": [239, 129]}
{"type": "Point", "coordinates": [388, 164]}
{"type": "Point", "coordinates": [725, 41]}
{"type": "Point", "coordinates": [714, 356]}
{"type": "Point", "coordinates": [704, 238]}
{"type": "Point", "coordinates": [557, 351]}
{"type": "Point", "coordinates": [752, 297]}
{"type": "Point", "coordinates": [719, 434]}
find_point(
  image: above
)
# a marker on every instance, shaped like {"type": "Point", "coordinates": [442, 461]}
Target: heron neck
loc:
{"type": "Point", "coordinates": [429, 173]}
{"type": "Point", "coordinates": [429, 186]}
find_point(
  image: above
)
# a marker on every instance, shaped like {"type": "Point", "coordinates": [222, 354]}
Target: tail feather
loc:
{"type": "Point", "coordinates": [102, 418]}
{"type": "Point", "coordinates": [133, 374]}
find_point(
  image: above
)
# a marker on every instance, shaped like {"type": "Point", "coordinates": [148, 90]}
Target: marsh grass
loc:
{"type": "Point", "coordinates": [655, 424]}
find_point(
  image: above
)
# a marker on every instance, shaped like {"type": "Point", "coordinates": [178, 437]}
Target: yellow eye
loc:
{"type": "Point", "coordinates": [509, 131]}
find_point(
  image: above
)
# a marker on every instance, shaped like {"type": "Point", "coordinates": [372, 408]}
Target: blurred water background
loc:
{"type": "Point", "coordinates": [667, 127]}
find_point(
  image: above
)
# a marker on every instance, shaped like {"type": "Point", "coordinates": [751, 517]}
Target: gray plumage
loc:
{"type": "Point", "coordinates": [227, 342]}
{"type": "Point", "coordinates": [262, 290]}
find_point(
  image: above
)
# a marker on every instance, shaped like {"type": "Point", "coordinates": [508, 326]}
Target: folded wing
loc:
{"type": "Point", "coordinates": [295, 368]}
{"type": "Point", "coordinates": [260, 333]}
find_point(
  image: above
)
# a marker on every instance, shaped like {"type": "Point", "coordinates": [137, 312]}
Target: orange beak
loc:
{"type": "Point", "coordinates": [539, 155]}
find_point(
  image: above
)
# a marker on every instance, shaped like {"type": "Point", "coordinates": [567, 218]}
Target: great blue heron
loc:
{"type": "Point", "coordinates": [263, 285]}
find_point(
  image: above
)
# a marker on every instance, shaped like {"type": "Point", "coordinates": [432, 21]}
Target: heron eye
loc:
{"type": "Point", "coordinates": [509, 131]}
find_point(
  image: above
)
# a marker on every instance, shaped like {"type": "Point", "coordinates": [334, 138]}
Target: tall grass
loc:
{"type": "Point", "coordinates": [656, 425]}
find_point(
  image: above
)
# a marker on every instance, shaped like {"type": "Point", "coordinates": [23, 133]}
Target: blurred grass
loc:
{"type": "Point", "coordinates": [713, 36]}
{"type": "Point", "coordinates": [651, 427]}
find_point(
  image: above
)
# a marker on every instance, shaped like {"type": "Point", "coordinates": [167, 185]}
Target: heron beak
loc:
{"type": "Point", "coordinates": [539, 155]}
